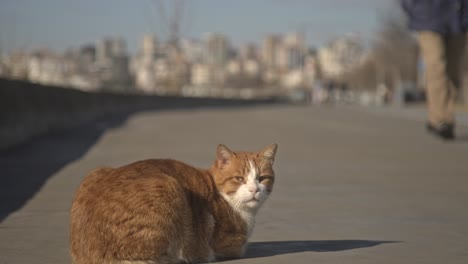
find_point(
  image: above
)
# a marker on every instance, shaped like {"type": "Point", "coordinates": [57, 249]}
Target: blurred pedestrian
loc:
{"type": "Point", "coordinates": [441, 26]}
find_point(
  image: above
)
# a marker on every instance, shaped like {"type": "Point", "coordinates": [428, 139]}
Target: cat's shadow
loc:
{"type": "Point", "coordinates": [267, 249]}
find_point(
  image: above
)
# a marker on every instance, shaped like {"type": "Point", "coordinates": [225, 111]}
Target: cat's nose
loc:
{"type": "Point", "coordinates": [253, 189]}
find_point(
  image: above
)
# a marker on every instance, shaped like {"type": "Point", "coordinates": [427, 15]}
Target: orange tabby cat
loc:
{"type": "Point", "coordinates": [165, 211]}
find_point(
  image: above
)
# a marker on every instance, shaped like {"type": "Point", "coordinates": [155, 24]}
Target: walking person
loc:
{"type": "Point", "coordinates": [441, 26]}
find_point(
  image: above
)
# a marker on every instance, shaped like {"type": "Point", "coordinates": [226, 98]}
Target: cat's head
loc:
{"type": "Point", "coordinates": [244, 179]}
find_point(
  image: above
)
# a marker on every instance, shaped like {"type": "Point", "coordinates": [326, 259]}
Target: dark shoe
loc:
{"type": "Point", "coordinates": [444, 131]}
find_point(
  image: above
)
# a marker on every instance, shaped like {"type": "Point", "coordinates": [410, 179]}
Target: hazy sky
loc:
{"type": "Point", "coordinates": [63, 23]}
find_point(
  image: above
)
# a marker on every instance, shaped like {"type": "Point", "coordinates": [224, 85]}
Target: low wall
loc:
{"type": "Point", "coordinates": [28, 110]}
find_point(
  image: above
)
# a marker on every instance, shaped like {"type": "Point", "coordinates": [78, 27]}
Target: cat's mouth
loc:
{"type": "Point", "coordinates": [253, 200]}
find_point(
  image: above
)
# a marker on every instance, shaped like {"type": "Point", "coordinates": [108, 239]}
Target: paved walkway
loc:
{"type": "Point", "coordinates": [352, 186]}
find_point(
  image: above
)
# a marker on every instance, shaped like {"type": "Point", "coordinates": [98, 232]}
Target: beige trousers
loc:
{"type": "Point", "coordinates": [442, 56]}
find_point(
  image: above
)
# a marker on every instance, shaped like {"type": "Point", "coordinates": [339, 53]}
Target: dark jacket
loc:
{"type": "Point", "coordinates": [442, 16]}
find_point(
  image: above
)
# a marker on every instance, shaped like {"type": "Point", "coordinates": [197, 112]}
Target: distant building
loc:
{"type": "Point", "coordinates": [143, 65]}
{"type": "Point", "coordinates": [311, 69]}
{"type": "Point", "coordinates": [291, 52]}
{"type": "Point", "coordinates": [251, 68]}
{"type": "Point", "coordinates": [87, 54]}
{"type": "Point", "coordinates": [118, 48]}
{"type": "Point", "coordinates": [248, 51]}
{"type": "Point", "coordinates": [293, 79]}
{"type": "Point", "coordinates": [234, 67]}
{"type": "Point", "coordinates": [103, 51]}
{"type": "Point", "coordinates": [283, 57]}
{"type": "Point", "coordinates": [341, 55]}
{"type": "Point", "coordinates": [217, 49]}
{"type": "Point", "coordinates": [3, 69]}
{"type": "Point", "coordinates": [201, 74]}
{"type": "Point", "coordinates": [160, 69]}
{"type": "Point", "coordinates": [270, 47]}
{"type": "Point", "coordinates": [149, 46]}
{"type": "Point", "coordinates": [193, 50]}
{"type": "Point", "coordinates": [112, 62]}
{"type": "Point", "coordinates": [145, 79]}
{"type": "Point", "coordinates": [15, 65]}
{"type": "Point", "coordinates": [45, 67]}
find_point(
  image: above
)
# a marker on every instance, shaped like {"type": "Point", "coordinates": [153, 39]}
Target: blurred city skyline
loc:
{"type": "Point", "coordinates": [59, 25]}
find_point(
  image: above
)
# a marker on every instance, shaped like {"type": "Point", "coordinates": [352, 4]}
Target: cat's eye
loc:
{"type": "Point", "coordinates": [239, 178]}
{"type": "Point", "coordinates": [262, 178]}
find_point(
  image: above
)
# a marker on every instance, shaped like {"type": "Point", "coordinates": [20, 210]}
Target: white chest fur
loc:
{"type": "Point", "coordinates": [247, 215]}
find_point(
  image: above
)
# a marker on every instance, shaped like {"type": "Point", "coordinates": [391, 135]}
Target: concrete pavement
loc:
{"type": "Point", "coordinates": [353, 186]}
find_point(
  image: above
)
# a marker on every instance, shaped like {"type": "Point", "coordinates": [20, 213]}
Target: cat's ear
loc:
{"type": "Point", "coordinates": [268, 153]}
{"type": "Point", "coordinates": [223, 155]}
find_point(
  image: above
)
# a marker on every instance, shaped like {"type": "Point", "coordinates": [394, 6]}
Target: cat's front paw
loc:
{"type": "Point", "coordinates": [205, 255]}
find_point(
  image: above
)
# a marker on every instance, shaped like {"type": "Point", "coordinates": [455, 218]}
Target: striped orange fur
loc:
{"type": "Point", "coordinates": [165, 211]}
